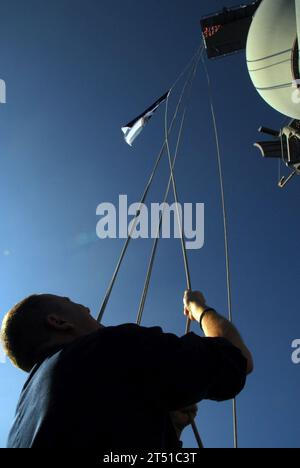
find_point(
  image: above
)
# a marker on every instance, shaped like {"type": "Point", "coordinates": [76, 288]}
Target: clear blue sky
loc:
{"type": "Point", "coordinates": [75, 72]}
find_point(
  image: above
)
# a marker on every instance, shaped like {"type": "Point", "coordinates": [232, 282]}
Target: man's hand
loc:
{"type": "Point", "coordinates": [182, 418]}
{"type": "Point", "coordinates": [194, 304]}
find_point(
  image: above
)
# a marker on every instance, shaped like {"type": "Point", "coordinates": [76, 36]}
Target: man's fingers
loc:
{"type": "Point", "coordinates": [193, 296]}
{"type": "Point", "coordinates": [188, 314]}
{"type": "Point", "coordinates": [187, 298]}
{"type": "Point", "coordinates": [190, 296]}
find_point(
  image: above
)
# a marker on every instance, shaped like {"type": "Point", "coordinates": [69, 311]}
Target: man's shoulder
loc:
{"type": "Point", "coordinates": [128, 332]}
{"type": "Point", "coordinates": [134, 329]}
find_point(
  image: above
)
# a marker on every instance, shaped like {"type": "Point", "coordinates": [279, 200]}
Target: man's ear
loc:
{"type": "Point", "coordinates": [58, 323]}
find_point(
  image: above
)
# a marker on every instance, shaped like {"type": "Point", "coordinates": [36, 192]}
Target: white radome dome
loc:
{"type": "Point", "coordinates": [273, 55]}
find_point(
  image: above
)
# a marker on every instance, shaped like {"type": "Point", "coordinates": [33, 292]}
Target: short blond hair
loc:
{"type": "Point", "coordinates": [24, 331]}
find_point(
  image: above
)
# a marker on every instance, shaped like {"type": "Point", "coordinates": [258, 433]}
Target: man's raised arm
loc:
{"type": "Point", "coordinates": [213, 324]}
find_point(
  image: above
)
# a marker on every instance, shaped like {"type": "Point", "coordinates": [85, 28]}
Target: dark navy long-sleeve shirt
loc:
{"type": "Point", "coordinates": [114, 389]}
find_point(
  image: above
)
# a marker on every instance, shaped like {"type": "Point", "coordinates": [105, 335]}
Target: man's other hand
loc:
{"type": "Point", "coordinates": [182, 418]}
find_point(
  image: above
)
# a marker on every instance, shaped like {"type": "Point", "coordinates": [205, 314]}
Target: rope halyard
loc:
{"type": "Point", "coordinates": [155, 244]}
{"type": "Point", "coordinates": [183, 242]}
{"type": "Point", "coordinates": [225, 224]}
{"type": "Point", "coordinates": [179, 220]}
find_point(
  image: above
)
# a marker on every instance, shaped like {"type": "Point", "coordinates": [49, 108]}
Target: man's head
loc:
{"type": "Point", "coordinates": [41, 322]}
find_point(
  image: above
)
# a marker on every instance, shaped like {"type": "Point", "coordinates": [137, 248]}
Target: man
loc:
{"type": "Point", "coordinates": [114, 388]}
